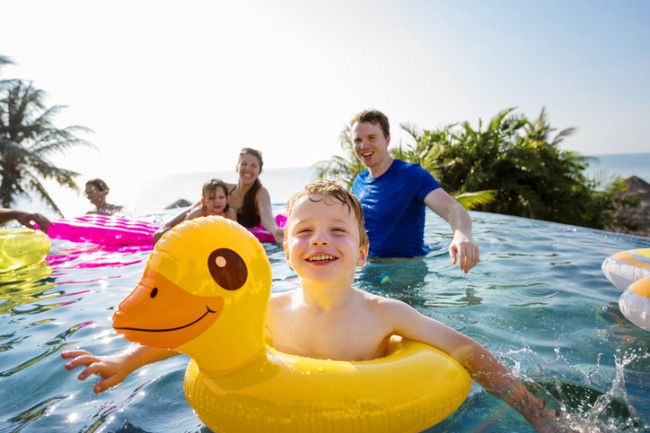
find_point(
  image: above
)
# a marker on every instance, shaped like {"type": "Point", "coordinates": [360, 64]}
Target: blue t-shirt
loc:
{"type": "Point", "coordinates": [394, 209]}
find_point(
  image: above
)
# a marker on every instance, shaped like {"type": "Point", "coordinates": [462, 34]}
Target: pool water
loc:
{"type": "Point", "coordinates": [538, 300]}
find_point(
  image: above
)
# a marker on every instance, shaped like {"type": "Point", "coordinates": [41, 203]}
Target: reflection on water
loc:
{"type": "Point", "coordinates": [538, 300]}
{"type": "Point", "coordinates": [396, 278]}
{"type": "Point", "coordinates": [23, 286]}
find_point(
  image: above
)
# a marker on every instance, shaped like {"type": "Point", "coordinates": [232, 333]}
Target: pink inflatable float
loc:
{"type": "Point", "coordinates": [116, 232]}
{"type": "Point", "coordinates": [104, 230]}
{"type": "Point", "coordinates": [264, 236]}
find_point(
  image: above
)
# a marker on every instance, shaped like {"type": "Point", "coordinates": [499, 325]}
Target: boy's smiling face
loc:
{"type": "Point", "coordinates": [322, 240]}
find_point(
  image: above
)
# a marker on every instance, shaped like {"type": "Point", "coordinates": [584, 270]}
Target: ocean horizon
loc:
{"type": "Point", "coordinates": [620, 164]}
{"type": "Point", "coordinates": [154, 195]}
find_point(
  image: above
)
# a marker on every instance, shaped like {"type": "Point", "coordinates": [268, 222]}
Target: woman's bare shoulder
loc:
{"type": "Point", "coordinates": [263, 192]}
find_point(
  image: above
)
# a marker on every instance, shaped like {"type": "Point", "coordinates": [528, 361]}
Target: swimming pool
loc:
{"type": "Point", "coordinates": [538, 300]}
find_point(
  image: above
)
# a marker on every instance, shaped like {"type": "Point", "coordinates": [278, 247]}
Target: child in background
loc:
{"type": "Point", "coordinates": [214, 201]}
{"type": "Point", "coordinates": [328, 318]}
{"type": "Point", "coordinates": [96, 192]}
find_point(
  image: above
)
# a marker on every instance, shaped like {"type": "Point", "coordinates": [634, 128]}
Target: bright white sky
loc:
{"type": "Point", "coordinates": [170, 86]}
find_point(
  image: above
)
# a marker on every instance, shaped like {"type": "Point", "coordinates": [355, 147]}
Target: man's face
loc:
{"type": "Point", "coordinates": [370, 144]}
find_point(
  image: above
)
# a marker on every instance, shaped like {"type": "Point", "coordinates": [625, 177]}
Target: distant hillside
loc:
{"type": "Point", "coordinates": [636, 218]}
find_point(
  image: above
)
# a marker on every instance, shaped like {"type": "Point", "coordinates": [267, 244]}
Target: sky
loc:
{"type": "Point", "coordinates": [177, 87]}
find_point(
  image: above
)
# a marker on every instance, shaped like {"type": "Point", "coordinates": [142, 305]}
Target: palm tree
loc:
{"type": "Point", "coordinates": [522, 161]}
{"type": "Point", "coordinates": [427, 151]}
{"type": "Point", "coordinates": [27, 138]}
{"type": "Point", "coordinates": [341, 168]}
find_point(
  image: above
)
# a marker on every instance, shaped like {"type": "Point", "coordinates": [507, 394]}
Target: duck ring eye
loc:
{"type": "Point", "coordinates": [227, 268]}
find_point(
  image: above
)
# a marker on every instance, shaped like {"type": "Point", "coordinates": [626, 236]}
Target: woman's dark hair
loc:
{"type": "Point", "coordinates": [249, 207]}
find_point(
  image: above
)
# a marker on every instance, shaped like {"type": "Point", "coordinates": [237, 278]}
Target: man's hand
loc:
{"type": "Point", "coordinates": [464, 251]}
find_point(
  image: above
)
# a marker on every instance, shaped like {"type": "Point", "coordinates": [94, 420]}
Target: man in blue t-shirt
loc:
{"type": "Point", "coordinates": [394, 193]}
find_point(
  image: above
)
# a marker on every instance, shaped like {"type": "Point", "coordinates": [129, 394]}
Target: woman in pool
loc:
{"type": "Point", "coordinates": [250, 201]}
{"type": "Point", "coordinates": [249, 198]}
{"type": "Point", "coordinates": [96, 191]}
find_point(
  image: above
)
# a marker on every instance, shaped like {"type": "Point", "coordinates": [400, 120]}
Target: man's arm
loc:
{"type": "Point", "coordinates": [463, 249]}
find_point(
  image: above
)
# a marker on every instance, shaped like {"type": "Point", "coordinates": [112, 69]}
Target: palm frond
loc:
{"type": "Point", "coordinates": [472, 200]}
{"type": "Point", "coordinates": [27, 137]}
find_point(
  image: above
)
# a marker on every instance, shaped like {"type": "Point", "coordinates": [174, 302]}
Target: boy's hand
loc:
{"type": "Point", "coordinates": [111, 369]}
{"type": "Point", "coordinates": [552, 424]}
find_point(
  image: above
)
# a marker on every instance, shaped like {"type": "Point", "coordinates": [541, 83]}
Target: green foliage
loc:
{"type": "Point", "coordinates": [345, 168]}
{"type": "Point", "coordinates": [510, 165]}
{"type": "Point", "coordinates": [341, 168]}
{"type": "Point", "coordinates": [27, 138]}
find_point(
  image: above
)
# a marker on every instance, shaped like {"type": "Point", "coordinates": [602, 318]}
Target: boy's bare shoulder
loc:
{"type": "Point", "coordinates": [381, 301]}
{"type": "Point", "coordinates": [280, 306]}
{"type": "Point", "coordinates": [281, 298]}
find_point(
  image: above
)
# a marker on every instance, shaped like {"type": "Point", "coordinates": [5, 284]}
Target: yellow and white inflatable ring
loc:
{"type": "Point", "coordinates": [22, 247]}
{"type": "Point", "coordinates": [625, 267]}
{"type": "Point", "coordinates": [205, 292]}
{"type": "Point", "coordinates": [630, 271]}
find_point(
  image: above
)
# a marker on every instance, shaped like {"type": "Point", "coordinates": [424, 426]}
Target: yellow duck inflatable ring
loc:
{"type": "Point", "coordinates": [205, 291]}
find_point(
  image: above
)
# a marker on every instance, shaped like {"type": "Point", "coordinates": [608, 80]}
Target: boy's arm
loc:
{"type": "Point", "coordinates": [482, 365]}
{"type": "Point", "coordinates": [113, 369]}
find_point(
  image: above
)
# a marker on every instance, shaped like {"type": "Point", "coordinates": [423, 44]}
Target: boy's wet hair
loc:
{"type": "Point", "coordinates": [329, 189]}
{"type": "Point", "coordinates": [375, 117]}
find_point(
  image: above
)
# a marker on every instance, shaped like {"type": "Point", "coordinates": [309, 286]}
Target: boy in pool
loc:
{"type": "Point", "coordinates": [328, 318]}
{"type": "Point", "coordinates": [214, 201]}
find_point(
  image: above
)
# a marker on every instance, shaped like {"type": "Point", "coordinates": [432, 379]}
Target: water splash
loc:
{"type": "Point", "coordinates": [585, 407]}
